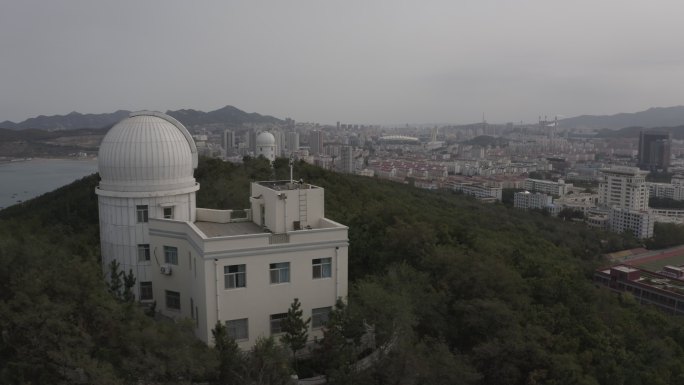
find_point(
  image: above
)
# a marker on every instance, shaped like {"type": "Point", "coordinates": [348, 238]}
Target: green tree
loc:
{"type": "Point", "coordinates": [231, 359]}
{"type": "Point", "coordinates": [336, 352]}
{"type": "Point", "coordinates": [129, 283]}
{"type": "Point", "coordinates": [115, 279]}
{"type": "Point", "coordinates": [268, 363]}
{"type": "Point", "coordinates": [295, 328]}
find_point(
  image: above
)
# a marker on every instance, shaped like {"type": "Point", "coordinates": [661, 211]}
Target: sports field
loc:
{"type": "Point", "coordinates": [656, 260]}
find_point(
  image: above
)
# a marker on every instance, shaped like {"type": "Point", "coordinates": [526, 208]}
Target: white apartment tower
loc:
{"type": "Point", "coordinates": [241, 268]}
{"type": "Point", "coordinates": [346, 159]}
{"type": "Point", "coordinates": [623, 187]}
{"type": "Point", "coordinates": [316, 142]}
{"type": "Point", "coordinates": [624, 191]}
{"type": "Point", "coordinates": [292, 140]}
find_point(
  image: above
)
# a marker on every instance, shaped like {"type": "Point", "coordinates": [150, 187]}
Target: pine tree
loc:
{"type": "Point", "coordinates": [129, 282]}
{"type": "Point", "coordinates": [115, 284]}
{"type": "Point", "coordinates": [295, 328]}
{"type": "Point", "coordinates": [231, 359]}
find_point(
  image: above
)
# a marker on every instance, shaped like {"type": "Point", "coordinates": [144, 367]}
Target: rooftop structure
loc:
{"type": "Point", "coordinates": [664, 289]}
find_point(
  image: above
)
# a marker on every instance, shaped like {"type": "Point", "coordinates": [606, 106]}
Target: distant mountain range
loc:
{"type": "Point", "coordinates": [633, 132]}
{"type": "Point", "coordinates": [653, 117]}
{"type": "Point", "coordinates": [228, 116]}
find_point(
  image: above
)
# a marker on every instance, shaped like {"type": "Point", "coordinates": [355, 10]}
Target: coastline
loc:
{"type": "Point", "coordinates": [27, 178]}
{"type": "Point", "coordinates": [29, 159]}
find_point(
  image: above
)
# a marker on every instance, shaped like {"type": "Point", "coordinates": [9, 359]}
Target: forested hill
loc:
{"type": "Point", "coordinates": [464, 292]}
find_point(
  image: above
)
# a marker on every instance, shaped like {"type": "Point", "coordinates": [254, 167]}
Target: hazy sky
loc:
{"type": "Point", "coordinates": [365, 61]}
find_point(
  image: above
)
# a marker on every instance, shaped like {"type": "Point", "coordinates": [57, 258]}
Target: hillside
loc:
{"type": "Point", "coordinates": [71, 121]}
{"type": "Point", "coordinates": [63, 135]}
{"type": "Point", "coordinates": [633, 132]}
{"type": "Point", "coordinates": [653, 117]}
{"type": "Point", "coordinates": [40, 143]}
{"type": "Point", "coordinates": [228, 116]}
{"type": "Point", "coordinates": [467, 292]}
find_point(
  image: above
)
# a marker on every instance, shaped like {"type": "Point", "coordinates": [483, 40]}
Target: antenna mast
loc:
{"type": "Point", "coordinates": [291, 166]}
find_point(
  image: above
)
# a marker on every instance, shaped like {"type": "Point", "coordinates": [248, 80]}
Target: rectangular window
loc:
{"type": "Point", "coordinates": [141, 211]}
{"type": "Point", "coordinates": [173, 300]}
{"type": "Point", "coordinates": [277, 322]}
{"type": "Point", "coordinates": [234, 276]}
{"type": "Point", "coordinates": [319, 317]}
{"type": "Point", "coordinates": [238, 329]}
{"type": "Point", "coordinates": [171, 255]}
{"type": "Point", "coordinates": [168, 212]}
{"type": "Point", "coordinates": [280, 272]}
{"type": "Point", "coordinates": [322, 268]}
{"type": "Point", "coordinates": [143, 252]}
{"type": "Point", "coordinates": [146, 293]}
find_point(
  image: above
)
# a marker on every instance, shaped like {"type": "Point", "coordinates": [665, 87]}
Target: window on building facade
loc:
{"type": "Point", "coordinates": [319, 316]}
{"type": "Point", "coordinates": [234, 276]}
{"type": "Point", "coordinates": [322, 267]}
{"type": "Point", "coordinates": [168, 212]}
{"type": "Point", "coordinates": [238, 329]}
{"type": "Point", "coordinates": [173, 300]}
{"type": "Point", "coordinates": [280, 272]}
{"type": "Point", "coordinates": [171, 255]}
{"type": "Point", "coordinates": [141, 211]}
{"type": "Point", "coordinates": [146, 293]}
{"type": "Point", "coordinates": [277, 322]}
{"type": "Point", "coordinates": [143, 252]}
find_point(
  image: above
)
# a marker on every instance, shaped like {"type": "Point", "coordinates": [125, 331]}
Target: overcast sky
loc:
{"type": "Point", "coordinates": [355, 61]}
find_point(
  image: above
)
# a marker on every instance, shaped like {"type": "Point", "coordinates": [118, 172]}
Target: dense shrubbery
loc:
{"type": "Point", "coordinates": [463, 292]}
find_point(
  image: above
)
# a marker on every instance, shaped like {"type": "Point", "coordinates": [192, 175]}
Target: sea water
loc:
{"type": "Point", "coordinates": [23, 180]}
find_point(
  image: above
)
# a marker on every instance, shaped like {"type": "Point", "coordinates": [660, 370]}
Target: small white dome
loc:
{"type": "Point", "coordinates": [265, 139]}
{"type": "Point", "coordinates": [148, 151]}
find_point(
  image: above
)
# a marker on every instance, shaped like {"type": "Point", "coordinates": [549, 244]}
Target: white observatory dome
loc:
{"type": "Point", "coordinates": [148, 151]}
{"type": "Point", "coordinates": [265, 139]}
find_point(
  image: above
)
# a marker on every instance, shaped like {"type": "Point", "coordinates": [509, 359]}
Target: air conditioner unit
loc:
{"type": "Point", "coordinates": [166, 269]}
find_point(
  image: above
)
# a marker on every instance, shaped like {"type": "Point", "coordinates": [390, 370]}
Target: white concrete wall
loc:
{"type": "Point", "coordinates": [259, 299]}
{"type": "Point", "coordinates": [120, 233]}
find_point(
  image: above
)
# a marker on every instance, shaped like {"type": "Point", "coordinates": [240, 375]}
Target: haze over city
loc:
{"type": "Point", "coordinates": [380, 62]}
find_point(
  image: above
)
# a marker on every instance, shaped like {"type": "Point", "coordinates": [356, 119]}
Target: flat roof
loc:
{"type": "Point", "coordinates": [625, 269]}
{"type": "Point", "coordinates": [280, 185]}
{"type": "Point", "coordinates": [213, 229]}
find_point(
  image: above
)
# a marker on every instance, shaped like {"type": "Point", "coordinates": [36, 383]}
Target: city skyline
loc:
{"type": "Point", "coordinates": [378, 63]}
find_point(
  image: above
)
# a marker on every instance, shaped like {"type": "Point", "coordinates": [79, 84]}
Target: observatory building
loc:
{"type": "Point", "coordinates": [240, 267]}
{"type": "Point", "coordinates": [266, 146]}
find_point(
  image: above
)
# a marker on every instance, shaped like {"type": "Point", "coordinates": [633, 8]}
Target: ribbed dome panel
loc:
{"type": "Point", "coordinates": [146, 153]}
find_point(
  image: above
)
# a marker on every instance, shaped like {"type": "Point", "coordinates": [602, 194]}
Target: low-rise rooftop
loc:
{"type": "Point", "coordinates": [214, 229]}
{"type": "Point", "coordinates": [280, 185]}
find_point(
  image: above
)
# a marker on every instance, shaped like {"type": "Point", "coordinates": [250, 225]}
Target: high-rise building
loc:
{"type": "Point", "coordinates": [654, 150]}
{"type": "Point", "coordinates": [279, 142]}
{"type": "Point", "coordinates": [251, 140]}
{"type": "Point", "coordinates": [316, 142]}
{"type": "Point", "coordinates": [241, 268]}
{"type": "Point", "coordinates": [346, 159]}
{"type": "Point", "coordinates": [623, 187]}
{"type": "Point", "coordinates": [623, 190]}
{"type": "Point", "coordinates": [229, 141]}
{"type": "Point", "coordinates": [292, 141]}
